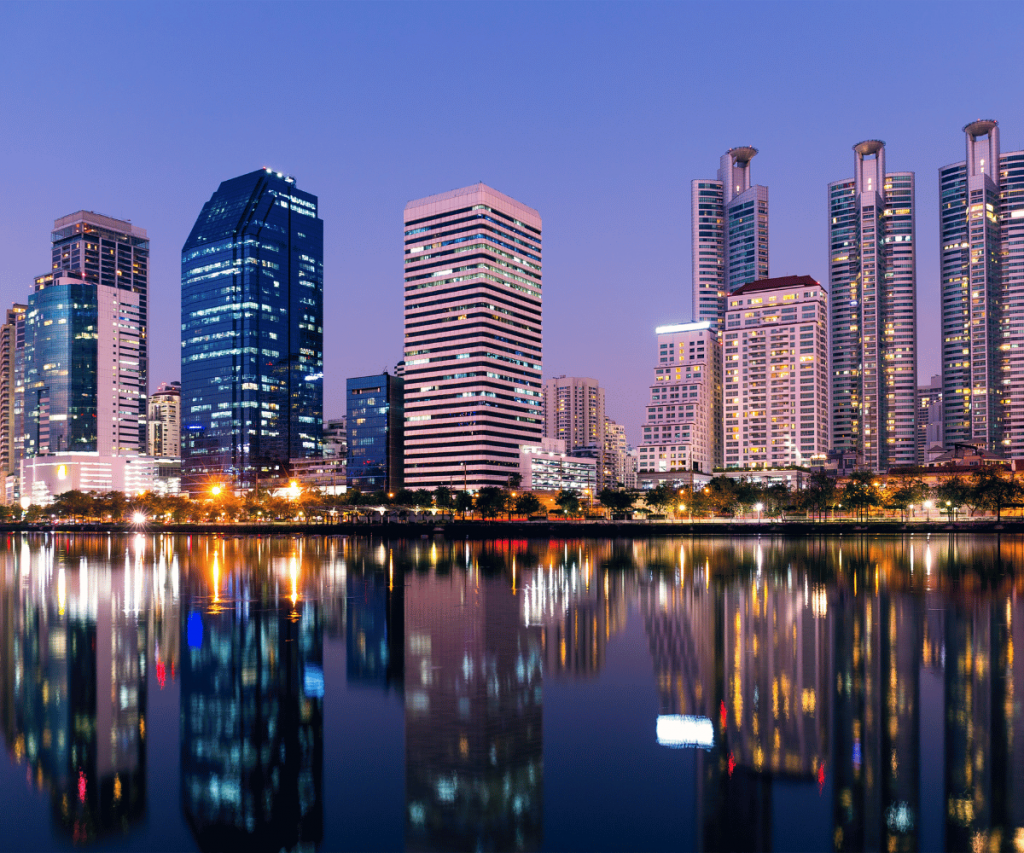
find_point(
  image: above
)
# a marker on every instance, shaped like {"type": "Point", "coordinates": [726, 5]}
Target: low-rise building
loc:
{"type": "Point", "coordinates": [44, 477]}
{"type": "Point", "coordinates": [548, 467]}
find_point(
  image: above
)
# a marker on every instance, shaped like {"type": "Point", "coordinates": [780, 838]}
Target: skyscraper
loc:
{"type": "Point", "coordinates": [376, 432]}
{"type": "Point", "coordinates": [776, 374]}
{"type": "Point", "coordinates": [574, 413]}
{"type": "Point", "coordinates": [252, 331]}
{"type": "Point", "coordinates": [81, 368]}
{"type": "Point", "coordinates": [729, 236]}
{"type": "Point", "coordinates": [112, 252]}
{"type": "Point", "coordinates": [9, 341]}
{"type": "Point", "coordinates": [873, 283]}
{"type": "Point", "coordinates": [164, 420]}
{"type": "Point", "coordinates": [682, 430]}
{"type": "Point", "coordinates": [472, 337]}
{"type": "Point", "coordinates": [981, 210]}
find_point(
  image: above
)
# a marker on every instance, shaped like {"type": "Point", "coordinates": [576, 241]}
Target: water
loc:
{"type": "Point", "coordinates": [175, 693]}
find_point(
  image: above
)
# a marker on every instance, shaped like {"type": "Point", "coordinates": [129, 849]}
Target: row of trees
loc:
{"type": "Point", "coordinates": [988, 489]}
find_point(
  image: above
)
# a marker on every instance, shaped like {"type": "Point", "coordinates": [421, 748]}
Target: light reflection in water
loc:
{"type": "Point", "coordinates": [873, 682]}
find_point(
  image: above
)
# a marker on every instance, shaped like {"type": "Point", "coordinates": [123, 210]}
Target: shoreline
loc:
{"type": "Point", "coordinates": [543, 529]}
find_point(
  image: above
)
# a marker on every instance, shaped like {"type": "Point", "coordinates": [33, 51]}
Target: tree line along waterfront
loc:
{"type": "Point", "coordinates": [987, 492]}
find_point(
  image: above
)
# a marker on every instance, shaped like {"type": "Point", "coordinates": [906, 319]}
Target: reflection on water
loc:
{"type": "Point", "coordinates": [862, 691]}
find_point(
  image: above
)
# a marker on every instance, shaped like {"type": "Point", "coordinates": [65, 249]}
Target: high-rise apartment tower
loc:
{"type": "Point", "coordinates": [9, 344]}
{"type": "Point", "coordinates": [729, 236]}
{"type": "Point", "coordinates": [472, 337]}
{"type": "Point", "coordinates": [682, 430]}
{"type": "Point", "coordinates": [574, 413]}
{"type": "Point", "coordinates": [776, 374]}
{"type": "Point", "coordinates": [164, 421]}
{"type": "Point", "coordinates": [252, 334]}
{"type": "Point", "coordinates": [981, 210]}
{"type": "Point", "coordinates": [873, 282]}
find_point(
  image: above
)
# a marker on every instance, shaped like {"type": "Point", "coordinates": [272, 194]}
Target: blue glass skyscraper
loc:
{"type": "Point", "coordinates": [376, 430]}
{"type": "Point", "coordinates": [251, 332]}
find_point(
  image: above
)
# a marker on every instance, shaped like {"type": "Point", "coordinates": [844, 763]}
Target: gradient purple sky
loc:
{"type": "Point", "coordinates": [598, 115]}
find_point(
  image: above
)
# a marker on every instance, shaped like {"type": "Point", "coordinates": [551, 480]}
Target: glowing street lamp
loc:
{"type": "Point", "coordinates": [215, 491]}
{"type": "Point", "coordinates": [759, 507]}
{"type": "Point", "coordinates": [927, 510]}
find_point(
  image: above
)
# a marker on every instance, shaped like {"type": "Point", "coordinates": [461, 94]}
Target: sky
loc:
{"type": "Point", "coordinates": [597, 115]}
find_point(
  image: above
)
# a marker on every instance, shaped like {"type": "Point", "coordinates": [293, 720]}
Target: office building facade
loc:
{"type": "Point", "coordinates": [375, 424]}
{"type": "Point", "coordinates": [682, 429]}
{"type": "Point", "coordinates": [80, 366]}
{"type": "Point", "coordinates": [113, 252]}
{"type": "Point", "coordinates": [12, 340]}
{"type": "Point", "coordinates": [729, 234]}
{"type": "Point", "coordinates": [473, 353]}
{"type": "Point", "coordinates": [163, 423]}
{"type": "Point", "coordinates": [252, 332]}
{"type": "Point", "coordinates": [981, 211]}
{"type": "Point", "coordinates": [776, 374]}
{"type": "Point", "coordinates": [873, 283]}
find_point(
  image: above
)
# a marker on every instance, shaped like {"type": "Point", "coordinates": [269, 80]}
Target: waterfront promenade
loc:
{"type": "Point", "coordinates": [503, 529]}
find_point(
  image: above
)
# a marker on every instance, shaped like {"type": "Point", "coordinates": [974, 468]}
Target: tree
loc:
{"type": "Point", "coordinates": [777, 499]}
{"type": "Point", "coordinates": [993, 491]}
{"type": "Point", "coordinates": [463, 503]}
{"type": "Point", "coordinates": [661, 497]}
{"type": "Point", "coordinates": [952, 494]}
{"type": "Point", "coordinates": [568, 500]}
{"type": "Point", "coordinates": [403, 497]}
{"type": "Point", "coordinates": [721, 494]}
{"type": "Point", "coordinates": [820, 493]}
{"type": "Point", "coordinates": [528, 504]}
{"type": "Point", "coordinates": [490, 501]}
{"type": "Point", "coordinates": [423, 498]}
{"type": "Point", "coordinates": [515, 481]}
{"type": "Point", "coordinates": [860, 493]}
{"type": "Point", "coordinates": [617, 500]}
{"type": "Point", "coordinates": [904, 493]}
{"type": "Point", "coordinates": [443, 498]}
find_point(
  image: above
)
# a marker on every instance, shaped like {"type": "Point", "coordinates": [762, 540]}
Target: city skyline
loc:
{"type": "Point", "coordinates": [611, 135]}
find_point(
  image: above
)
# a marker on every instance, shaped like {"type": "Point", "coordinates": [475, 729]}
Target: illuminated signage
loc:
{"type": "Point", "coordinates": [679, 730]}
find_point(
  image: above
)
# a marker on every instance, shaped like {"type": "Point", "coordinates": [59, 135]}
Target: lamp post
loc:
{"type": "Point", "coordinates": [759, 507]}
{"type": "Point", "coordinates": [927, 510]}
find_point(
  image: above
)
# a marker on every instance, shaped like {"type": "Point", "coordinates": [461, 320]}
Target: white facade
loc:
{"type": "Point", "coordinates": [776, 374]}
{"type": "Point", "coordinates": [43, 477]}
{"type": "Point", "coordinates": [163, 423]}
{"type": "Point", "coordinates": [119, 390]}
{"type": "Point", "coordinates": [473, 355]}
{"type": "Point", "coordinates": [729, 236]}
{"type": "Point", "coordinates": [547, 467]}
{"type": "Point", "coordinates": [682, 429]}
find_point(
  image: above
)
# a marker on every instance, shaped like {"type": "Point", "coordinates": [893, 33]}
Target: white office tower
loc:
{"type": "Point", "coordinates": [681, 431]}
{"type": "Point", "coordinates": [472, 337]}
{"type": "Point", "coordinates": [729, 236]}
{"type": "Point", "coordinates": [776, 374]}
{"type": "Point", "coordinates": [981, 210]}
{"type": "Point", "coordinates": [873, 284]}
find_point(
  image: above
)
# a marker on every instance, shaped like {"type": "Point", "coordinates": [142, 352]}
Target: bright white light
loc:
{"type": "Point", "coordinates": [678, 730]}
{"type": "Point", "coordinates": [139, 518]}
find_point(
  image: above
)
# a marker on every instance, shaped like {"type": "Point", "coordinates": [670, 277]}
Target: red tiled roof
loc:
{"type": "Point", "coordinates": [776, 284]}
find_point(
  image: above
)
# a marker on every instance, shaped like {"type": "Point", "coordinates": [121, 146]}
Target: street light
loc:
{"type": "Point", "coordinates": [927, 510]}
{"type": "Point", "coordinates": [759, 507]}
{"type": "Point", "coordinates": [216, 490]}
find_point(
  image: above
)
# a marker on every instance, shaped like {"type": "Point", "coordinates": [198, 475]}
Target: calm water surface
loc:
{"type": "Point", "coordinates": [181, 693]}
